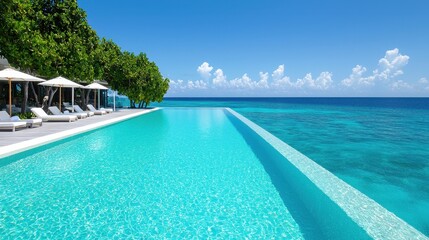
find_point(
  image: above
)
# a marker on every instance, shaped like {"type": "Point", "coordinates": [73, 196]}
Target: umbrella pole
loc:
{"type": "Point", "coordinates": [98, 96]}
{"type": "Point", "coordinates": [10, 96]}
{"type": "Point", "coordinates": [60, 100]}
{"type": "Point", "coordinates": [95, 100]}
{"type": "Point", "coordinates": [114, 102]}
{"type": "Point", "coordinates": [72, 99]}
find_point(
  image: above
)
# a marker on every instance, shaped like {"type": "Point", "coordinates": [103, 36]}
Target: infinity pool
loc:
{"type": "Point", "coordinates": [174, 173]}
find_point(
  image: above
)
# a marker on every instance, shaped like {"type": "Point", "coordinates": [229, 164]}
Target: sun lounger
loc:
{"type": "Point", "coordinates": [79, 110]}
{"type": "Point", "coordinates": [54, 110]}
{"type": "Point", "coordinates": [14, 108]}
{"type": "Point", "coordinates": [32, 122]}
{"type": "Point", "coordinates": [108, 110]}
{"type": "Point", "coordinates": [12, 125]}
{"type": "Point", "coordinates": [59, 118]}
{"type": "Point", "coordinates": [4, 117]}
{"type": "Point", "coordinates": [68, 106]}
{"type": "Point", "coordinates": [96, 112]}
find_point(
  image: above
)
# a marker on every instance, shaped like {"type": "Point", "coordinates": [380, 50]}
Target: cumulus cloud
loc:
{"type": "Point", "coordinates": [384, 75]}
{"type": "Point", "coordinates": [401, 85]}
{"type": "Point", "coordinates": [389, 67]}
{"type": "Point", "coordinates": [220, 78]}
{"type": "Point", "coordinates": [356, 77]}
{"type": "Point", "coordinates": [245, 82]}
{"type": "Point", "coordinates": [280, 80]}
{"type": "Point", "coordinates": [205, 70]}
{"type": "Point", "coordinates": [263, 80]}
{"type": "Point", "coordinates": [199, 84]}
{"type": "Point", "coordinates": [279, 72]}
{"type": "Point", "coordinates": [184, 85]}
{"type": "Point", "coordinates": [322, 82]}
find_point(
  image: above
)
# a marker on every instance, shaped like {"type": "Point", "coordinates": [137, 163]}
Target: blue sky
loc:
{"type": "Point", "coordinates": [275, 48]}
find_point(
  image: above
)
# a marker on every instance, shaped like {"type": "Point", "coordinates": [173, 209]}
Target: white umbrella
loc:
{"type": "Point", "coordinates": [96, 86]}
{"type": "Point", "coordinates": [62, 82]}
{"type": "Point", "coordinates": [10, 75]}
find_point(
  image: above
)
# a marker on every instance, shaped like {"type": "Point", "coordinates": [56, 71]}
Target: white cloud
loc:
{"type": "Point", "coordinates": [384, 76]}
{"type": "Point", "coordinates": [199, 84]}
{"type": "Point", "coordinates": [279, 72]}
{"type": "Point", "coordinates": [401, 85]}
{"type": "Point", "coordinates": [183, 85]}
{"type": "Point", "coordinates": [389, 67]}
{"type": "Point", "coordinates": [220, 78]}
{"type": "Point", "coordinates": [423, 84]}
{"type": "Point", "coordinates": [205, 70]}
{"type": "Point", "coordinates": [423, 80]}
{"type": "Point", "coordinates": [245, 82]}
{"type": "Point", "coordinates": [322, 82]}
{"type": "Point", "coordinates": [263, 80]}
{"type": "Point", "coordinates": [281, 81]}
{"type": "Point", "coordinates": [356, 77]}
{"type": "Point", "coordinates": [175, 85]}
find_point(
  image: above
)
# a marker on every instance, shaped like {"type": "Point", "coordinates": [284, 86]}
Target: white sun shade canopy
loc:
{"type": "Point", "coordinates": [95, 86]}
{"type": "Point", "coordinates": [13, 75]}
{"type": "Point", "coordinates": [61, 82]}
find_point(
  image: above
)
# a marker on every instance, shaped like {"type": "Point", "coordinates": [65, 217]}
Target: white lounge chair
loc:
{"type": "Point", "coordinates": [79, 110]}
{"type": "Point", "coordinates": [108, 110]}
{"type": "Point", "coordinates": [54, 110]}
{"type": "Point", "coordinates": [96, 112]}
{"type": "Point", "coordinates": [4, 117]}
{"type": "Point", "coordinates": [14, 108]}
{"type": "Point", "coordinates": [12, 125]}
{"type": "Point", "coordinates": [68, 106]}
{"type": "Point", "coordinates": [59, 118]}
{"type": "Point", "coordinates": [6, 123]}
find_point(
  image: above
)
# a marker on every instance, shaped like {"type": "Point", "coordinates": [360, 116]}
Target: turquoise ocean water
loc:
{"type": "Point", "coordinates": [378, 145]}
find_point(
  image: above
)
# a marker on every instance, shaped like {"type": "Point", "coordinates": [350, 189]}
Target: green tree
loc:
{"type": "Point", "coordinates": [20, 42]}
{"type": "Point", "coordinates": [140, 80]}
{"type": "Point", "coordinates": [48, 38]}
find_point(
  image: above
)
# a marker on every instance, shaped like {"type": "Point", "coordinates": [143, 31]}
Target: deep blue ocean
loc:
{"type": "Point", "coordinates": [378, 145]}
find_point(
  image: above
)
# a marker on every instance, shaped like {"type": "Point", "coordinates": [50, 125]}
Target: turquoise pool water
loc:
{"type": "Point", "coordinates": [176, 173]}
{"type": "Point", "coordinates": [379, 146]}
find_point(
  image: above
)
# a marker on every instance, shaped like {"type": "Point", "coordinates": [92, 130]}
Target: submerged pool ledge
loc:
{"type": "Point", "coordinates": [11, 149]}
{"type": "Point", "coordinates": [375, 220]}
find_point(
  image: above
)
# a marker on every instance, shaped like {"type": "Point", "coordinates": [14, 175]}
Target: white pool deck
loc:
{"type": "Point", "coordinates": [27, 138]}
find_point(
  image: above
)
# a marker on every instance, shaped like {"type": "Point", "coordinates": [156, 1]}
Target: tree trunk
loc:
{"type": "Point", "coordinates": [87, 97]}
{"type": "Point", "coordinates": [25, 97]}
{"type": "Point", "coordinates": [82, 98]}
{"type": "Point", "coordinates": [51, 93]}
{"type": "Point", "coordinates": [35, 94]}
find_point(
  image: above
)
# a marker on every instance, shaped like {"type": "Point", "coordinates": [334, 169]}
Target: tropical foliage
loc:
{"type": "Point", "coordinates": [50, 38]}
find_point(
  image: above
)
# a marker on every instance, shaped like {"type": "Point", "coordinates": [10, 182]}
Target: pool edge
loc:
{"type": "Point", "coordinates": [15, 148]}
{"type": "Point", "coordinates": [378, 222]}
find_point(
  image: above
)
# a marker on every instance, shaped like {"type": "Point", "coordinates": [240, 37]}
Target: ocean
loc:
{"type": "Point", "coordinates": [378, 145]}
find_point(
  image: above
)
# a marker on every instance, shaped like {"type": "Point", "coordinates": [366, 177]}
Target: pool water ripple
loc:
{"type": "Point", "coordinates": [162, 175]}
